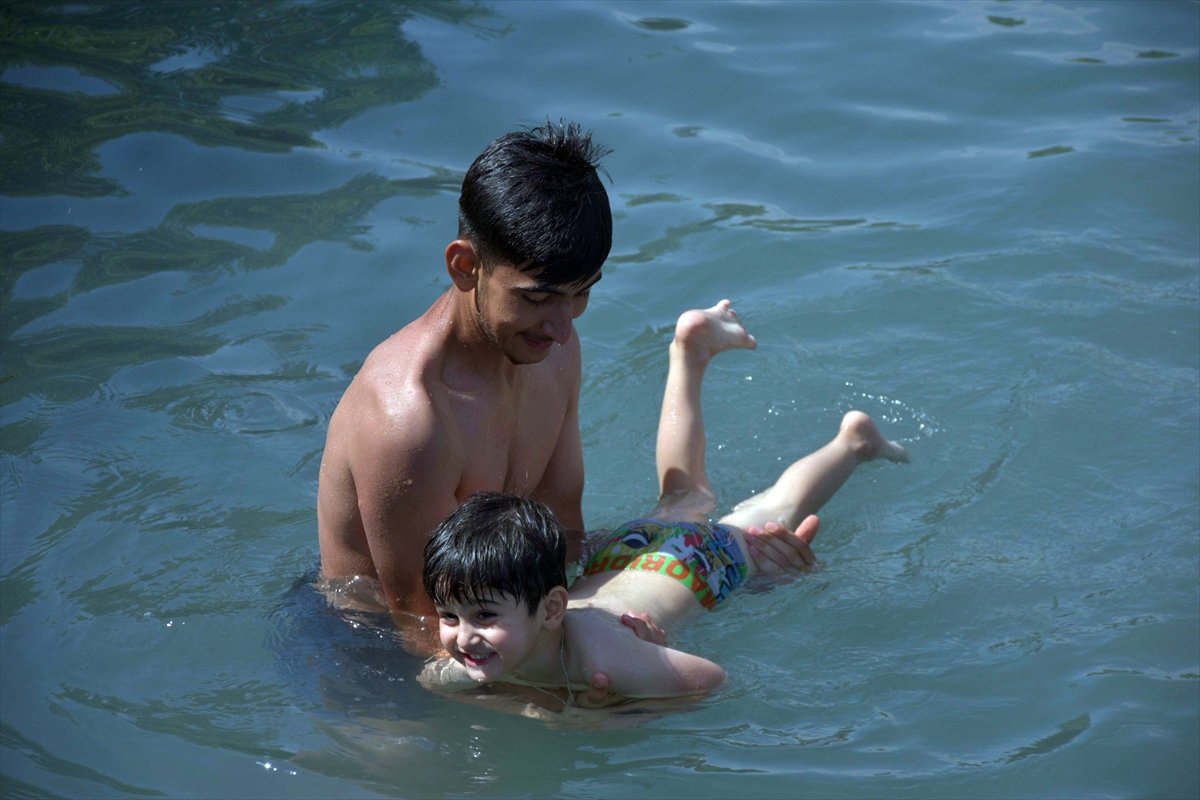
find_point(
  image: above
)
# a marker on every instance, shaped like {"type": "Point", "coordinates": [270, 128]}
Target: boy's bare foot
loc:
{"type": "Point", "coordinates": [858, 431]}
{"type": "Point", "coordinates": [702, 333]}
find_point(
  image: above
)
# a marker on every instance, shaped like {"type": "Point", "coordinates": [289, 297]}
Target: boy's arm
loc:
{"type": "Point", "coordinates": [445, 675]}
{"type": "Point", "coordinates": [528, 701]}
{"type": "Point", "coordinates": [637, 668]}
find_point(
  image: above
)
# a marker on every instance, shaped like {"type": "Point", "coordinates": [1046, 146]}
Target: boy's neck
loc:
{"type": "Point", "coordinates": [544, 666]}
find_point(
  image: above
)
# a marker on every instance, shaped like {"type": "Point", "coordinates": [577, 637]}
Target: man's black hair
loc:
{"type": "Point", "coordinates": [495, 544]}
{"type": "Point", "coordinates": [533, 199]}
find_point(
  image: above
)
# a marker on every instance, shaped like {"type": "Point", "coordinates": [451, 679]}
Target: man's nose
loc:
{"type": "Point", "coordinates": [559, 323]}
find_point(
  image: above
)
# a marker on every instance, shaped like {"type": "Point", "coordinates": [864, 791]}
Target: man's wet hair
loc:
{"type": "Point", "coordinates": [533, 199]}
{"type": "Point", "coordinates": [495, 544]}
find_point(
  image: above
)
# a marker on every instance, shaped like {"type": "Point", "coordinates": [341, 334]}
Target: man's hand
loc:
{"type": "Point", "coordinates": [597, 693]}
{"type": "Point", "coordinates": [778, 552]}
{"type": "Point", "coordinates": [645, 628]}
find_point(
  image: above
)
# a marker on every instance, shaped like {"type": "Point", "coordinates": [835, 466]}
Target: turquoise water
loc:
{"type": "Point", "coordinates": [979, 222]}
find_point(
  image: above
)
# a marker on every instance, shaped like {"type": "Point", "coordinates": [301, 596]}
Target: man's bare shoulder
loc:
{"type": "Point", "coordinates": [401, 375]}
{"type": "Point", "coordinates": [397, 401]}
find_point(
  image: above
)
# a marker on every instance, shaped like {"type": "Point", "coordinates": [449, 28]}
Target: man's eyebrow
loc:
{"type": "Point", "coordinates": [557, 288]}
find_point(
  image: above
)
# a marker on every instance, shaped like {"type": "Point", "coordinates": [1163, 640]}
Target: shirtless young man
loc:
{"type": "Point", "coordinates": [481, 392]}
{"type": "Point", "coordinates": [495, 567]}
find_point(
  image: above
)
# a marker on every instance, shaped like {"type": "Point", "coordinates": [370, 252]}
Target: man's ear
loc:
{"type": "Point", "coordinates": [554, 607]}
{"type": "Point", "coordinates": [462, 262]}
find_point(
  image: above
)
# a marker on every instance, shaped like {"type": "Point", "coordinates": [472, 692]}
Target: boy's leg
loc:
{"type": "Point", "coordinates": [807, 484]}
{"type": "Point", "coordinates": [684, 490]}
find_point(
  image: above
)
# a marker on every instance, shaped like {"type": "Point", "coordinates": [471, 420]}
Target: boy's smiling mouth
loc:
{"type": "Point", "coordinates": [477, 661]}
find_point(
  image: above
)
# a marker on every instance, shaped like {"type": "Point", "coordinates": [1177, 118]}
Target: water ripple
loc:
{"type": "Point", "coordinates": [220, 405]}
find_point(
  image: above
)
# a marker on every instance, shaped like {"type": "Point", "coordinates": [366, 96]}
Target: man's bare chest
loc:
{"type": "Point", "coordinates": [508, 443]}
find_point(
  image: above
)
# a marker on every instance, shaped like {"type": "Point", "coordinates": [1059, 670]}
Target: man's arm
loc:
{"type": "Point", "coordinates": [406, 473]}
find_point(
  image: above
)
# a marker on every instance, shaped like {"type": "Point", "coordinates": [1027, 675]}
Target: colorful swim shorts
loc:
{"type": "Point", "coordinates": [705, 558]}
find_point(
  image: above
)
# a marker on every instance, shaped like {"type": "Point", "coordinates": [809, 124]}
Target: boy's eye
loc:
{"type": "Point", "coordinates": [447, 617]}
{"type": "Point", "coordinates": [537, 298]}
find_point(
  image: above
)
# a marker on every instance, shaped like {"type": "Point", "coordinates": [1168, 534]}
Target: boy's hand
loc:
{"type": "Point", "coordinates": [778, 552]}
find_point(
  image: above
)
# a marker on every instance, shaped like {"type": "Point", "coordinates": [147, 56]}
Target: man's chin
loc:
{"type": "Point", "coordinates": [529, 353]}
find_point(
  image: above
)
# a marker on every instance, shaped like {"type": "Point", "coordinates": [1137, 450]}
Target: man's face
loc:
{"type": "Point", "coordinates": [524, 317]}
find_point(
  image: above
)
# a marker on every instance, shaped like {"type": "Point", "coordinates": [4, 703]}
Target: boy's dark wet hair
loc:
{"type": "Point", "coordinates": [533, 199]}
{"type": "Point", "coordinates": [496, 544]}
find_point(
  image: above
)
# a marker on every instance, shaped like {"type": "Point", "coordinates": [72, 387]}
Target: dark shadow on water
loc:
{"type": "Point", "coordinates": [97, 352]}
{"type": "Point", "coordinates": [261, 76]}
{"type": "Point", "coordinates": [344, 663]}
{"type": "Point", "coordinates": [15, 742]}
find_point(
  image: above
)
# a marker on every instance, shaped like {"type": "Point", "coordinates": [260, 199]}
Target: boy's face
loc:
{"type": "Point", "coordinates": [490, 637]}
{"type": "Point", "coordinates": [525, 317]}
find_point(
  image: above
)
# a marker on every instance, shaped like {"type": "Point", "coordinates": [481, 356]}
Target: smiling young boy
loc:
{"type": "Point", "coordinates": [495, 568]}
